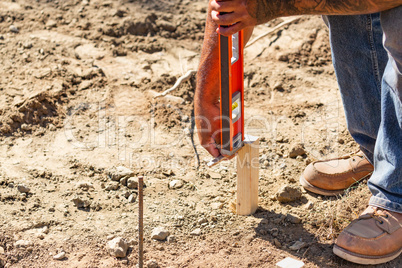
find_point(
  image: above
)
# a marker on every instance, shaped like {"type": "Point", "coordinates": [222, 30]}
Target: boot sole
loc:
{"type": "Point", "coordinates": [306, 185]}
{"type": "Point", "coordinates": [363, 259]}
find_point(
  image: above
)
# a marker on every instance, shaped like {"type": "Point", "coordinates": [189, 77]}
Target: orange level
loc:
{"type": "Point", "coordinates": [231, 77]}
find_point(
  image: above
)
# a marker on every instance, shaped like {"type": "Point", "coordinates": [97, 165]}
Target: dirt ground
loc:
{"type": "Point", "coordinates": [77, 88]}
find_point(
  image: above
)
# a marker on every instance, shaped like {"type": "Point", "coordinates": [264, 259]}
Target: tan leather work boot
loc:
{"type": "Point", "coordinates": [374, 238]}
{"type": "Point", "coordinates": [332, 177]}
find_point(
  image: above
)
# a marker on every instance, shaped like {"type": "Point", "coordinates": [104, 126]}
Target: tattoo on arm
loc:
{"type": "Point", "coordinates": [265, 10]}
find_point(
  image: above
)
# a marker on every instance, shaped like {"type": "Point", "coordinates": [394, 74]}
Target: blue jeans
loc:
{"type": "Point", "coordinates": [367, 57]}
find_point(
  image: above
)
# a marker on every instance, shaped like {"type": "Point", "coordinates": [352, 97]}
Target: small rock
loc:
{"type": "Point", "coordinates": [115, 174]}
{"type": "Point", "coordinates": [45, 230]}
{"type": "Point", "coordinates": [52, 127]}
{"type": "Point", "coordinates": [171, 239]}
{"type": "Point", "coordinates": [132, 183]}
{"type": "Point", "coordinates": [278, 86]}
{"type": "Point", "coordinates": [14, 29]}
{"type": "Point", "coordinates": [117, 247]}
{"type": "Point", "coordinates": [112, 186]}
{"type": "Point", "coordinates": [2, 251]}
{"type": "Point", "coordinates": [168, 173]}
{"type": "Point", "coordinates": [216, 205]}
{"type": "Point", "coordinates": [40, 236]}
{"type": "Point", "coordinates": [79, 203]}
{"type": "Point", "coordinates": [176, 184]}
{"type": "Point", "coordinates": [152, 264]}
{"type": "Point", "coordinates": [132, 198]}
{"type": "Point", "coordinates": [288, 194]}
{"type": "Point", "coordinates": [309, 205]}
{"type": "Point", "coordinates": [297, 245]}
{"type": "Point", "coordinates": [215, 175]}
{"type": "Point", "coordinates": [85, 85]}
{"type": "Point", "coordinates": [290, 262]}
{"type": "Point", "coordinates": [165, 25]}
{"type": "Point", "coordinates": [23, 244]}
{"type": "Point", "coordinates": [196, 232]}
{"type": "Point", "coordinates": [59, 256]}
{"type": "Point", "coordinates": [202, 220]}
{"type": "Point", "coordinates": [123, 181]}
{"type": "Point", "coordinates": [51, 23]}
{"type": "Point", "coordinates": [84, 185]}
{"type": "Point", "coordinates": [160, 233]}
{"type": "Point", "coordinates": [23, 189]}
{"type": "Point", "coordinates": [296, 150]}
{"type": "Point", "coordinates": [277, 243]}
{"type": "Point", "coordinates": [293, 219]}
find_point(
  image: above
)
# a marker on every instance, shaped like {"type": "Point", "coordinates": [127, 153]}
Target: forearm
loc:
{"type": "Point", "coordinates": [265, 10]}
{"type": "Point", "coordinates": [207, 89]}
{"type": "Point", "coordinates": [208, 75]}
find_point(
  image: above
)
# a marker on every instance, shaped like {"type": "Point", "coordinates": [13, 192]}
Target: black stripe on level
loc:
{"type": "Point", "coordinates": [225, 93]}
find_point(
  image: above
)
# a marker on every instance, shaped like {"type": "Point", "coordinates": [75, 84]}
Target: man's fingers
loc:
{"type": "Point", "coordinates": [227, 19]}
{"type": "Point", "coordinates": [223, 6]}
{"type": "Point", "coordinates": [211, 148]}
{"type": "Point", "coordinates": [227, 31]}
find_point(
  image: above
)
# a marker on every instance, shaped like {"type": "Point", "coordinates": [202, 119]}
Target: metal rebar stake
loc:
{"type": "Point", "coordinates": [140, 222]}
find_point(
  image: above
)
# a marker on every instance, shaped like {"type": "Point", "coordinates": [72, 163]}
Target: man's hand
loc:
{"type": "Point", "coordinates": [235, 15]}
{"type": "Point", "coordinates": [208, 127]}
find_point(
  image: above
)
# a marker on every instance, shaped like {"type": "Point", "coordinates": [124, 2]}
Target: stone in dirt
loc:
{"type": "Point", "coordinates": [79, 203]}
{"type": "Point", "coordinates": [119, 172]}
{"type": "Point", "coordinates": [216, 205]}
{"type": "Point", "coordinates": [296, 150]}
{"type": "Point", "coordinates": [117, 247]}
{"type": "Point", "coordinates": [132, 198]}
{"type": "Point", "coordinates": [84, 185]}
{"type": "Point", "coordinates": [297, 245]}
{"type": "Point", "coordinates": [293, 218]}
{"type": "Point", "coordinates": [2, 251]}
{"type": "Point", "coordinates": [160, 233]}
{"type": "Point", "coordinates": [14, 29]}
{"type": "Point", "coordinates": [288, 194]}
{"type": "Point", "coordinates": [132, 183]}
{"type": "Point", "coordinates": [171, 239]}
{"type": "Point", "coordinates": [59, 256]}
{"type": "Point", "coordinates": [215, 175]}
{"type": "Point", "coordinates": [112, 186]}
{"type": "Point", "coordinates": [196, 232]}
{"type": "Point", "coordinates": [289, 262]}
{"type": "Point", "coordinates": [23, 244]}
{"type": "Point", "coordinates": [176, 184]}
{"type": "Point", "coordinates": [23, 189]}
{"type": "Point", "coordinates": [152, 264]}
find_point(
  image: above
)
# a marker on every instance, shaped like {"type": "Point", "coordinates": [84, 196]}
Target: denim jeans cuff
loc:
{"type": "Point", "coordinates": [369, 156]}
{"type": "Point", "coordinates": [385, 204]}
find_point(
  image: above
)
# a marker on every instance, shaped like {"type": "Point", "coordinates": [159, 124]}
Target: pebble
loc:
{"type": "Point", "coordinates": [202, 220]}
{"type": "Point", "coordinates": [132, 198]}
{"type": "Point", "coordinates": [159, 233]}
{"type": "Point", "coordinates": [277, 243]}
{"type": "Point", "coordinates": [23, 189]}
{"type": "Point", "coordinates": [2, 251]}
{"type": "Point", "coordinates": [84, 185]}
{"type": "Point", "coordinates": [196, 232]}
{"type": "Point", "coordinates": [14, 29]}
{"type": "Point", "coordinates": [23, 243]}
{"type": "Point", "coordinates": [297, 245]}
{"type": "Point", "coordinates": [215, 175]}
{"type": "Point", "coordinates": [216, 206]}
{"type": "Point", "coordinates": [52, 127]}
{"type": "Point", "coordinates": [309, 205]}
{"type": "Point", "coordinates": [293, 219]}
{"type": "Point", "coordinates": [115, 174]}
{"type": "Point", "coordinates": [152, 264]}
{"type": "Point", "coordinates": [117, 247]}
{"type": "Point", "coordinates": [132, 183]}
{"type": "Point", "coordinates": [112, 186]}
{"type": "Point", "coordinates": [79, 203]}
{"type": "Point", "coordinates": [288, 194]}
{"type": "Point", "coordinates": [59, 256]}
{"type": "Point", "coordinates": [176, 184]}
{"type": "Point", "coordinates": [290, 262]}
{"type": "Point", "coordinates": [51, 23]}
{"type": "Point", "coordinates": [171, 239]}
{"type": "Point", "coordinates": [296, 150]}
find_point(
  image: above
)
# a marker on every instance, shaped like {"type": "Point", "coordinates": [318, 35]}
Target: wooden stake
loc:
{"type": "Point", "coordinates": [247, 176]}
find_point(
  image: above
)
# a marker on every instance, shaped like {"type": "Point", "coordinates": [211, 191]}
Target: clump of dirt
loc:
{"type": "Point", "coordinates": [39, 110]}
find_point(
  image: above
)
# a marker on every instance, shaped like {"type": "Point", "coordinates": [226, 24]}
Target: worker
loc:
{"type": "Point", "coordinates": [366, 45]}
